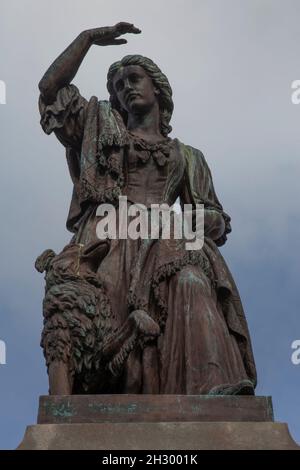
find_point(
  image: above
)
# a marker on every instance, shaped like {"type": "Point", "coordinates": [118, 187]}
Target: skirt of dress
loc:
{"type": "Point", "coordinates": [196, 353]}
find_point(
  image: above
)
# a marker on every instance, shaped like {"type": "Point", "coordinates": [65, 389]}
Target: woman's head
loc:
{"type": "Point", "coordinates": [160, 83]}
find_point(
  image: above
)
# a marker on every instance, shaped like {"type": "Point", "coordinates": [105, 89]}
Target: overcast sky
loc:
{"type": "Point", "coordinates": [230, 64]}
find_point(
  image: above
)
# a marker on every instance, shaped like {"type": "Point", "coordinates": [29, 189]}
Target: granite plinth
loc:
{"type": "Point", "coordinates": [156, 422]}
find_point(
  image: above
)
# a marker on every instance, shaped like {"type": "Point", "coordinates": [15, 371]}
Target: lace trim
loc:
{"type": "Point", "coordinates": [160, 151]}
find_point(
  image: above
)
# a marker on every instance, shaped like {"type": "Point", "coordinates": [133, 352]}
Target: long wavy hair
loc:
{"type": "Point", "coordinates": [159, 80]}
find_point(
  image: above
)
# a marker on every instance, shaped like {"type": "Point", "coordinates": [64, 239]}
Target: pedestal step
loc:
{"type": "Point", "coordinates": [159, 436]}
{"type": "Point", "coordinates": [156, 422]}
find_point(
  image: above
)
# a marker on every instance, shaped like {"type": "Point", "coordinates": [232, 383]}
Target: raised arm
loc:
{"type": "Point", "coordinates": [62, 71]}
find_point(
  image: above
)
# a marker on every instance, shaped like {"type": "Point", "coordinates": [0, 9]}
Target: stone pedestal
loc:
{"type": "Point", "coordinates": [156, 422]}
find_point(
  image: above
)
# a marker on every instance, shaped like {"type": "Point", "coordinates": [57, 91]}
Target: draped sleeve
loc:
{"type": "Point", "coordinates": [199, 188]}
{"type": "Point", "coordinates": [65, 116]}
{"type": "Point", "coordinates": [94, 136]}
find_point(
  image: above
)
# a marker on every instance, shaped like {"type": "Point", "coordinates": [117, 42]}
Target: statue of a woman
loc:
{"type": "Point", "coordinates": [135, 315]}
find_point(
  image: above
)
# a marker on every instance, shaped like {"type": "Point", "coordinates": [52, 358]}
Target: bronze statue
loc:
{"type": "Point", "coordinates": [135, 315]}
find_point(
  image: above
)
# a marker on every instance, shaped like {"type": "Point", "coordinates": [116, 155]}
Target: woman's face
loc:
{"type": "Point", "coordinates": [134, 89]}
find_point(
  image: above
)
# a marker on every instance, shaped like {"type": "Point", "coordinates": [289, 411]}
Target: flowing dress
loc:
{"type": "Point", "coordinates": [93, 286]}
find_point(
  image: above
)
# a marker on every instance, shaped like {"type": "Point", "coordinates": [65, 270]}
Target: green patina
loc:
{"type": "Point", "coordinates": [189, 276]}
{"type": "Point", "coordinates": [115, 408]}
{"type": "Point", "coordinates": [62, 410]}
{"type": "Point", "coordinates": [198, 407]}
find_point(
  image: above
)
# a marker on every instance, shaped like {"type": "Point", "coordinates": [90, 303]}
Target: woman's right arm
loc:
{"type": "Point", "coordinates": [62, 71]}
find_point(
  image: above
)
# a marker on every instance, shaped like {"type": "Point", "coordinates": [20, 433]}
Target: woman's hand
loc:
{"type": "Point", "coordinates": [108, 35]}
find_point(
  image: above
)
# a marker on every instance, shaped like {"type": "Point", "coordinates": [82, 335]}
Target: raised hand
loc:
{"type": "Point", "coordinates": [108, 35]}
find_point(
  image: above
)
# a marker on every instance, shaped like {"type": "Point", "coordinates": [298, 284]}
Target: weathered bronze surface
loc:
{"type": "Point", "coordinates": [152, 408]}
{"type": "Point", "coordinates": [128, 316]}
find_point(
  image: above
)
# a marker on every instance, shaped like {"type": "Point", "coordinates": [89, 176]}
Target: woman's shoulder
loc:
{"type": "Point", "coordinates": [190, 153]}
